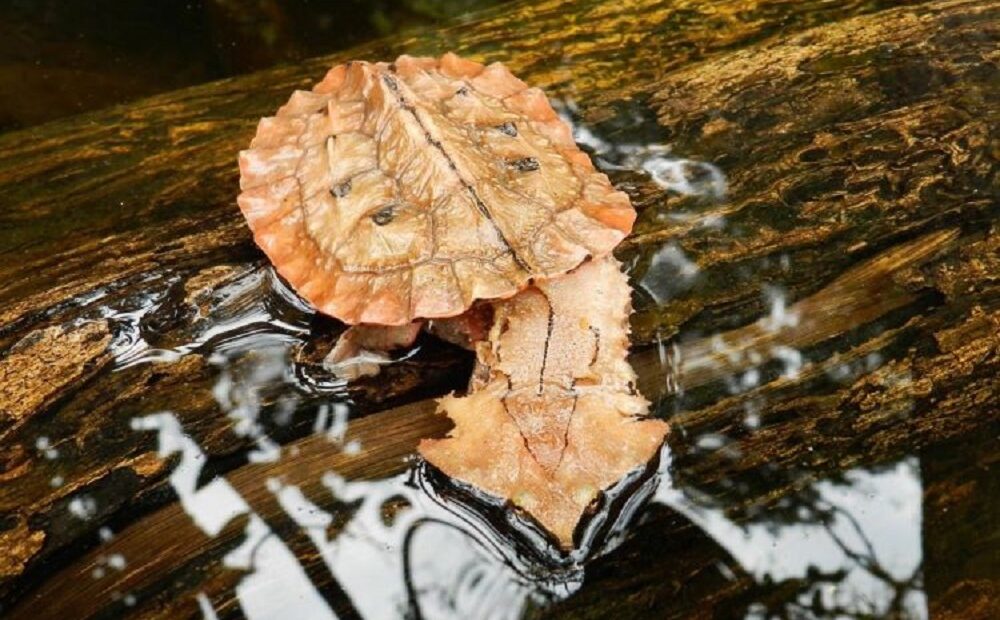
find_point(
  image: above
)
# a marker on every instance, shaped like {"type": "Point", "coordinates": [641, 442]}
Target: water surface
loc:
{"type": "Point", "coordinates": [807, 326]}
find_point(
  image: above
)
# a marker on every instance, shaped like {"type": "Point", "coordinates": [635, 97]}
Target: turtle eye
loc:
{"type": "Point", "coordinates": [523, 164]}
{"type": "Point", "coordinates": [384, 215]}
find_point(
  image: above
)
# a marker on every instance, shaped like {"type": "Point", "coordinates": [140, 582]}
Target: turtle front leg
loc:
{"type": "Point", "coordinates": [466, 329]}
{"type": "Point", "coordinates": [361, 350]}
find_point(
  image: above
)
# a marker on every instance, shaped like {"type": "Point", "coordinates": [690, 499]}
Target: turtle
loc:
{"type": "Point", "coordinates": [448, 193]}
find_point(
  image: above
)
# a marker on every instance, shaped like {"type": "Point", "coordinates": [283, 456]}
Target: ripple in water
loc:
{"type": "Point", "coordinates": [387, 555]}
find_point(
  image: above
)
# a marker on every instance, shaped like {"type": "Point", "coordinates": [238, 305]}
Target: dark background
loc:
{"type": "Point", "coordinates": [62, 57]}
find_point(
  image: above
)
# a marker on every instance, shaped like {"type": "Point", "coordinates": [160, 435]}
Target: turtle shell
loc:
{"type": "Point", "coordinates": [406, 190]}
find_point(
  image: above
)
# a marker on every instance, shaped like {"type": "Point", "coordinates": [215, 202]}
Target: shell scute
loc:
{"type": "Point", "coordinates": [408, 66]}
{"type": "Point", "coordinates": [303, 102]}
{"type": "Point", "coordinates": [497, 81]}
{"type": "Point", "coordinates": [532, 103]}
{"type": "Point", "coordinates": [445, 298]}
{"type": "Point", "coordinates": [332, 81]}
{"type": "Point", "coordinates": [345, 116]}
{"type": "Point", "coordinates": [397, 191]}
{"type": "Point", "coordinates": [454, 66]}
{"type": "Point", "coordinates": [263, 204]}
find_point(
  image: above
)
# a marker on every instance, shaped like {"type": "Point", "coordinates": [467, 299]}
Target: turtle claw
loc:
{"type": "Point", "coordinates": [362, 350]}
{"type": "Point", "coordinates": [363, 363]}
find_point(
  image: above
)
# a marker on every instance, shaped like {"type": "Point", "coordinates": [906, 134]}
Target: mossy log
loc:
{"type": "Point", "coordinates": [860, 150]}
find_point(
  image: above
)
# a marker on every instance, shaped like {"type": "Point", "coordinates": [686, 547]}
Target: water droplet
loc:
{"type": "Point", "coordinates": [83, 507]}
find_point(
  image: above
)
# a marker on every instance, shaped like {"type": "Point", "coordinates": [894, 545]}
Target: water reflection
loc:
{"type": "Point", "coordinates": [387, 566]}
{"type": "Point", "coordinates": [404, 546]}
{"type": "Point", "coordinates": [853, 550]}
{"type": "Point", "coordinates": [249, 309]}
{"type": "Point", "coordinates": [470, 586]}
{"type": "Point", "coordinates": [849, 547]}
{"type": "Point", "coordinates": [275, 582]}
{"type": "Point", "coordinates": [670, 273]}
{"type": "Point", "coordinates": [684, 176]}
{"type": "Point", "coordinates": [238, 394]}
{"type": "Point", "coordinates": [653, 159]}
{"type": "Point", "coordinates": [212, 505]}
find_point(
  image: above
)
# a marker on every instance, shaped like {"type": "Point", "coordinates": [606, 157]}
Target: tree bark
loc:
{"type": "Point", "coordinates": [860, 152]}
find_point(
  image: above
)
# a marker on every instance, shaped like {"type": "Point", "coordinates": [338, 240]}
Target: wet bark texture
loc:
{"type": "Point", "coordinates": [860, 148]}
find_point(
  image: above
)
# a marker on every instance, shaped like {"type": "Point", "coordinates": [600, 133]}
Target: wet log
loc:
{"type": "Point", "coordinates": [859, 148]}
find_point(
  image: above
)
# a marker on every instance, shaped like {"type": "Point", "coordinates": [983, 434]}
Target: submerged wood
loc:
{"type": "Point", "coordinates": [856, 142]}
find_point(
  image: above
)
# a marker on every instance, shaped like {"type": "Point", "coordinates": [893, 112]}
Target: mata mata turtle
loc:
{"type": "Point", "coordinates": [445, 190]}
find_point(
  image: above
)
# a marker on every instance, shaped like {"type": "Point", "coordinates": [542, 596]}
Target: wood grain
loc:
{"type": "Point", "coordinates": [858, 142]}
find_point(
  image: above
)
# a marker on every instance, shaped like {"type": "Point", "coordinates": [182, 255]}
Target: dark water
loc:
{"type": "Point", "coordinates": [61, 58]}
{"type": "Point", "coordinates": [833, 528]}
